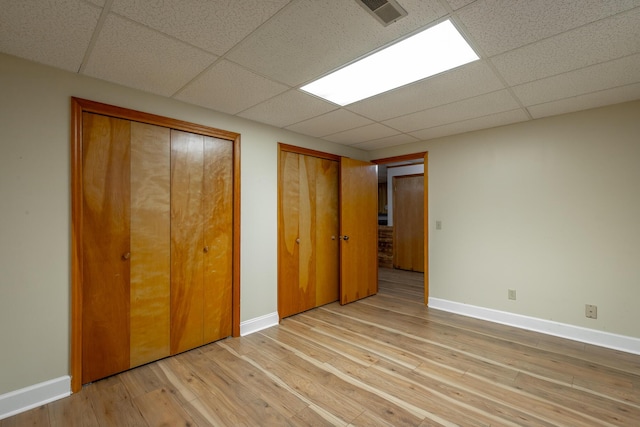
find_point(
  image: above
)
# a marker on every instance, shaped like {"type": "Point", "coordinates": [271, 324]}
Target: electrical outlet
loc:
{"type": "Point", "coordinates": [512, 294]}
{"type": "Point", "coordinates": [591, 311]}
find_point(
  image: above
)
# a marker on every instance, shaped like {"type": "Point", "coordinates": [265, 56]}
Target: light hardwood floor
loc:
{"type": "Point", "coordinates": [386, 360]}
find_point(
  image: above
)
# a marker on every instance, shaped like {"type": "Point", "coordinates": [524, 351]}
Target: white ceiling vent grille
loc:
{"type": "Point", "coordinates": [385, 11]}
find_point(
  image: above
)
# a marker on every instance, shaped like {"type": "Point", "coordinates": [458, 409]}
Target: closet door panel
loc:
{"type": "Point", "coordinates": [327, 230]}
{"type": "Point", "coordinates": [105, 245]}
{"type": "Point", "coordinates": [150, 242]}
{"type": "Point", "coordinates": [307, 234]}
{"type": "Point", "coordinates": [186, 241]}
{"type": "Point", "coordinates": [218, 237]}
{"type": "Point", "coordinates": [288, 224]}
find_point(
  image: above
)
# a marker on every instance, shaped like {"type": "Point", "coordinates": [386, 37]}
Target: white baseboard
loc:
{"type": "Point", "coordinates": [17, 401]}
{"type": "Point", "coordinates": [563, 330]}
{"type": "Point", "coordinates": [259, 323]}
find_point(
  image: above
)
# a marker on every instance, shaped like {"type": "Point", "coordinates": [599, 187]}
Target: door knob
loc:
{"type": "Point", "coordinates": [205, 249]}
{"type": "Point", "coordinates": [344, 237]}
{"type": "Point", "coordinates": [126, 256]}
{"type": "Point", "coordinates": [298, 240]}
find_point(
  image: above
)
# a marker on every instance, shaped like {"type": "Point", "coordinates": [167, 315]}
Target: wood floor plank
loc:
{"type": "Point", "coordinates": [609, 411]}
{"type": "Point", "coordinates": [35, 417]}
{"type": "Point", "coordinates": [386, 360]}
{"type": "Point", "coordinates": [74, 411]}
{"type": "Point", "coordinates": [112, 404]}
{"type": "Point", "coordinates": [160, 408]}
{"type": "Point", "coordinates": [252, 378]}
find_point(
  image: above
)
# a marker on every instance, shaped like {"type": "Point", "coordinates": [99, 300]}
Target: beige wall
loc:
{"type": "Point", "coordinates": [550, 208]}
{"type": "Point", "coordinates": [35, 209]}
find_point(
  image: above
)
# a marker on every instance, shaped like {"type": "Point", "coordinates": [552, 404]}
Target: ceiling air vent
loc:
{"type": "Point", "coordinates": [385, 11]}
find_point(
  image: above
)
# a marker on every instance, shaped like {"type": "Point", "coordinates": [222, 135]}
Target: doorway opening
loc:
{"type": "Point", "coordinates": [403, 217]}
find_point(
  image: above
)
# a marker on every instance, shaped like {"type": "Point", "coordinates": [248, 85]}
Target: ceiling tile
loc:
{"type": "Point", "coordinates": [501, 25]}
{"type": "Point", "coordinates": [362, 134]}
{"type": "Point", "coordinates": [591, 44]}
{"type": "Point", "coordinates": [589, 100]}
{"type": "Point", "coordinates": [288, 108]}
{"type": "Point", "coordinates": [30, 29]}
{"type": "Point", "coordinates": [469, 80]}
{"type": "Point", "coordinates": [144, 64]}
{"type": "Point", "coordinates": [458, 4]}
{"type": "Point", "coordinates": [598, 77]}
{"type": "Point", "coordinates": [482, 105]}
{"type": "Point", "coordinates": [390, 141]}
{"type": "Point", "coordinates": [309, 37]}
{"type": "Point", "coordinates": [330, 123]}
{"type": "Point", "coordinates": [489, 121]}
{"type": "Point", "coordinates": [229, 88]}
{"type": "Point", "coordinates": [212, 25]}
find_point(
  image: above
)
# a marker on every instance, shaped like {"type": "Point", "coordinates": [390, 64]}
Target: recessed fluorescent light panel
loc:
{"type": "Point", "coordinates": [432, 51]}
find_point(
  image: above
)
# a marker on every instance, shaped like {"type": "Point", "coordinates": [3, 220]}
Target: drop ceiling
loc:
{"type": "Point", "coordinates": [249, 57]}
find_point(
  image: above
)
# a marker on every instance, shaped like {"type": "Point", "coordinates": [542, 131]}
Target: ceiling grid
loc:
{"type": "Point", "coordinates": [250, 57]}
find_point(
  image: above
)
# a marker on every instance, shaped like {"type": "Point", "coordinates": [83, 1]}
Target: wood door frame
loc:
{"type": "Point", "coordinates": [423, 155]}
{"type": "Point", "coordinates": [80, 106]}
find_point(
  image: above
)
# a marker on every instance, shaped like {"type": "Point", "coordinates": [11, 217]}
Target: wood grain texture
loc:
{"type": "Point", "coordinates": [426, 228]}
{"type": "Point", "coordinates": [402, 158]}
{"type": "Point", "coordinates": [387, 360]}
{"type": "Point", "coordinates": [106, 221]}
{"type": "Point", "coordinates": [235, 311]}
{"type": "Point", "coordinates": [306, 292]}
{"type": "Point", "coordinates": [77, 256]}
{"type": "Point", "coordinates": [218, 238]}
{"type": "Point", "coordinates": [358, 221]}
{"type": "Point", "coordinates": [308, 259]}
{"type": "Point", "coordinates": [187, 242]}
{"type": "Point", "coordinates": [408, 227]}
{"type": "Point", "coordinates": [152, 119]}
{"type": "Point", "coordinates": [150, 242]}
{"type": "Point", "coordinates": [288, 232]}
{"type": "Point", "coordinates": [80, 107]}
{"type": "Point", "coordinates": [308, 152]}
{"type": "Point", "coordinates": [326, 232]}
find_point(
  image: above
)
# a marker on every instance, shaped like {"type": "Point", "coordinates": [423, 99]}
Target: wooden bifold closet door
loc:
{"type": "Point", "coordinates": [308, 252]}
{"type": "Point", "coordinates": [201, 226]}
{"type": "Point", "coordinates": [157, 242]}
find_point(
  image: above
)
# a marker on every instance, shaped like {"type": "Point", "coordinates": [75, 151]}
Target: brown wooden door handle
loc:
{"type": "Point", "coordinates": [343, 237]}
{"type": "Point", "coordinates": [298, 240]}
{"type": "Point", "coordinates": [126, 256]}
{"type": "Point", "coordinates": [205, 249]}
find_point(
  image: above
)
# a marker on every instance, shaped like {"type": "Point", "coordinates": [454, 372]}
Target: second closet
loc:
{"type": "Point", "coordinates": [308, 232]}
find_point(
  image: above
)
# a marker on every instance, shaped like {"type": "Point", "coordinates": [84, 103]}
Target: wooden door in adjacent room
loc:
{"type": "Point", "coordinates": [408, 220]}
